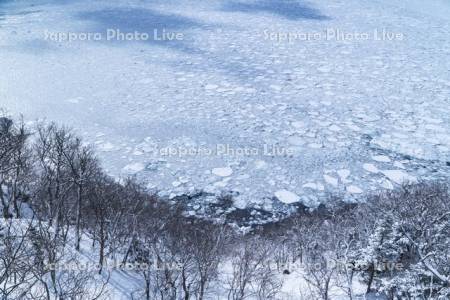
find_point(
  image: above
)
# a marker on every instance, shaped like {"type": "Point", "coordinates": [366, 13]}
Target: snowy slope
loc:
{"type": "Point", "coordinates": [227, 107]}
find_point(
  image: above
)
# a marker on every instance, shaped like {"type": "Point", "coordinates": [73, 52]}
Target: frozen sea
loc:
{"type": "Point", "coordinates": [293, 100]}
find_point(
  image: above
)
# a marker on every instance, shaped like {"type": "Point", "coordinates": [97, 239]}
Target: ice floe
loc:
{"type": "Point", "coordinates": [286, 196]}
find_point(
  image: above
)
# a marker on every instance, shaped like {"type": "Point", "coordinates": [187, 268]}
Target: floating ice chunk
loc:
{"type": "Point", "coordinates": [286, 196]}
{"type": "Point", "coordinates": [222, 172]}
{"type": "Point", "coordinates": [176, 184]}
{"type": "Point", "coordinates": [106, 147]}
{"type": "Point", "coordinates": [296, 140]}
{"type": "Point", "coordinates": [74, 100]}
{"type": "Point", "coordinates": [330, 180]}
{"type": "Point", "coordinates": [398, 176]}
{"type": "Point", "coordinates": [221, 184]}
{"type": "Point", "coordinates": [211, 86]}
{"type": "Point", "coordinates": [239, 202]}
{"type": "Point", "coordinates": [399, 165]}
{"type": "Point", "coordinates": [145, 81]}
{"type": "Point", "coordinates": [353, 189]}
{"type": "Point", "coordinates": [222, 89]}
{"type": "Point", "coordinates": [315, 145]}
{"type": "Point", "coordinates": [260, 164]}
{"type": "Point", "coordinates": [134, 168]}
{"type": "Point", "coordinates": [324, 69]}
{"type": "Point", "coordinates": [335, 128]}
{"type": "Point", "coordinates": [138, 152]}
{"type": "Point", "coordinates": [323, 123]}
{"type": "Point", "coordinates": [387, 185]}
{"type": "Point", "coordinates": [298, 124]}
{"type": "Point", "coordinates": [314, 186]}
{"type": "Point", "coordinates": [353, 127]}
{"type": "Point", "coordinates": [183, 179]}
{"type": "Point", "coordinates": [275, 87]}
{"type": "Point", "coordinates": [370, 168]}
{"type": "Point", "coordinates": [381, 158]}
{"type": "Point", "coordinates": [344, 173]}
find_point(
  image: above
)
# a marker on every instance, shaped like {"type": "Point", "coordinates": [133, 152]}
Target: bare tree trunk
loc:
{"type": "Point", "coordinates": [5, 204]}
{"type": "Point", "coordinates": [78, 217]}
{"type": "Point", "coordinates": [14, 197]}
{"type": "Point", "coordinates": [185, 287]}
{"type": "Point", "coordinates": [102, 247]}
{"type": "Point", "coordinates": [147, 286]}
{"type": "Point", "coordinates": [371, 276]}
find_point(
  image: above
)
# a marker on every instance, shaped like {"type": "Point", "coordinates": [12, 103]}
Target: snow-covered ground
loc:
{"type": "Point", "coordinates": [123, 282]}
{"type": "Point", "coordinates": [222, 105]}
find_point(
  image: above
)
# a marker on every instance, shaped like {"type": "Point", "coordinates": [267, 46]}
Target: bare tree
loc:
{"type": "Point", "coordinates": [253, 273]}
{"type": "Point", "coordinates": [83, 166]}
{"type": "Point", "coordinates": [16, 275]}
{"type": "Point", "coordinates": [15, 166]}
{"type": "Point", "coordinates": [54, 187]}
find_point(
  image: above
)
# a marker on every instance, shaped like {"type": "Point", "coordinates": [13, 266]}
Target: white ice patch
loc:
{"type": "Point", "coordinates": [260, 164]}
{"type": "Point", "coordinates": [353, 189]}
{"type": "Point", "coordinates": [335, 128]}
{"type": "Point", "coordinates": [399, 176]}
{"type": "Point", "coordinates": [211, 87]}
{"type": "Point", "coordinates": [370, 168]}
{"type": "Point", "coordinates": [330, 180]}
{"type": "Point", "coordinates": [399, 165]}
{"type": "Point", "coordinates": [344, 173]}
{"type": "Point", "coordinates": [314, 186]}
{"type": "Point", "coordinates": [275, 87]}
{"type": "Point", "coordinates": [106, 147]}
{"type": "Point", "coordinates": [315, 145]}
{"type": "Point", "coordinates": [286, 196]}
{"type": "Point", "coordinates": [222, 172]}
{"type": "Point", "coordinates": [387, 185]}
{"type": "Point", "coordinates": [145, 81]}
{"type": "Point", "coordinates": [298, 124]}
{"type": "Point", "coordinates": [296, 140]}
{"type": "Point", "coordinates": [381, 158]}
{"type": "Point", "coordinates": [134, 168]}
{"type": "Point", "coordinates": [74, 100]}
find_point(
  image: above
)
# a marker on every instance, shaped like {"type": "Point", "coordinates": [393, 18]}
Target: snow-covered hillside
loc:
{"type": "Point", "coordinates": [358, 100]}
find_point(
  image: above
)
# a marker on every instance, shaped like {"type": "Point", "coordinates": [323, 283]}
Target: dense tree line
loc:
{"type": "Point", "coordinates": [55, 198]}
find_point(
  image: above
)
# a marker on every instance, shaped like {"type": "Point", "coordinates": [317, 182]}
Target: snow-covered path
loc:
{"type": "Point", "coordinates": [228, 107]}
